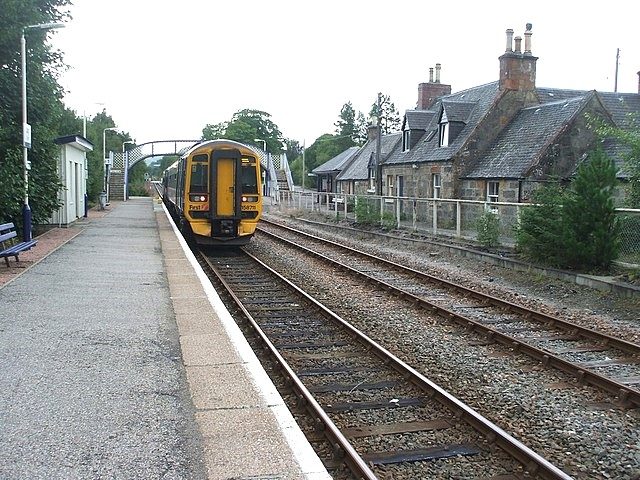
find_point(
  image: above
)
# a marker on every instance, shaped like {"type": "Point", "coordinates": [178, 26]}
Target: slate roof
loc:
{"type": "Point", "coordinates": [457, 111]}
{"type": "Point", "coordinates": [417, 119]}
{"type": "Point", "coordinates": [471, 105]}
{"type": "Point", "coordinates": [337, 163]}
{"type": "Point", "coordinates": [620, 106]}
{"type": "Point", "coordinates": [520, 143]}
{"type": "Point", "coordinates": [358, 169]}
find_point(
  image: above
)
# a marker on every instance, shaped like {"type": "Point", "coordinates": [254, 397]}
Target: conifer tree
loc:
{"type": "Point", "coordinates": [590, 211]}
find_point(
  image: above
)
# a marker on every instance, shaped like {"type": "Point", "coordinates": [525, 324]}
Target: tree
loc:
{"type": "Point", "coordinates": [45, 108]}
{"type": "Point", "coordinates": [574, 227]}
{"type": "Point", "coordinates": [246, 126]}
{"type": "Point", "coordinates": [389, 116]}
{"type": "Point", "coordinates": [352, 125]}
{"type": "Point", "coordinates": [590, 213]}
{"type": "Point", "coordinates": [629, 137]}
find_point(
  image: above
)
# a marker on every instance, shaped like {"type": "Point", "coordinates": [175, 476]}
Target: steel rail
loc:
{"type": "Point", "coordinates": [533, 463]}
{"type": "Point", "coordinates": [532, 314]}
{"type": "Point", "coordinates": [626, 395]}
{"type": "Point", "coordinates": [353, 460]}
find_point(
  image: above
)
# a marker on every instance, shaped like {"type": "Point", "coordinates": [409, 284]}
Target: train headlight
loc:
{"type": "Point", "coordinates": [249, 199]}
{"type": "Point", "coordinates": [197, 198]}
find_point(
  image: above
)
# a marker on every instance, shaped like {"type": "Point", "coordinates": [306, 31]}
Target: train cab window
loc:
{"type": "Point", "coordinates": [248, 175]}
{"type": "Point", "coordinates": [199, 178]}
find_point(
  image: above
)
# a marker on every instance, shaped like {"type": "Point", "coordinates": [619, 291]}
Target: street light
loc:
{"type": "Point", "coordinates": [264, 143]}
{"type": "Point", "coordinates": [125, 163]}
{"type": "Point", "coordinates": [26, 128]}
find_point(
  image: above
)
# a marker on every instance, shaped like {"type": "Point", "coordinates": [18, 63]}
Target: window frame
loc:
{"type": "Point", "coordinates": [436, 187]}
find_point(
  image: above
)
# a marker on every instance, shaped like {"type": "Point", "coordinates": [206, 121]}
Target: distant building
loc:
{"type": "Point", "coordinates": [327, 172]}
{"type": "Point", "coordinates": [493, 142]}
{"type": "Point", "coordinates": [72, 171]}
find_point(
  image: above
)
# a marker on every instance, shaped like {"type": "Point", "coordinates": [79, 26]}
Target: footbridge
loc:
{"type": "Point", "coordinates": [275, 167]}
{"type": "Point", "coordinates": [119, 163]}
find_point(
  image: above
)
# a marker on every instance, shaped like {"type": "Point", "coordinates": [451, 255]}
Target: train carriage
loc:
{"type": "Point", "coordinates": [213, 191]}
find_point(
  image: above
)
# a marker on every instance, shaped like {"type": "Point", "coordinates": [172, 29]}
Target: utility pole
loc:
{"type": "Point", "coordinates": [304, 148]}
{"type": "Point", "coordinates": [615, 87]}
{"type": "Point", "coordinates": [378, 148]}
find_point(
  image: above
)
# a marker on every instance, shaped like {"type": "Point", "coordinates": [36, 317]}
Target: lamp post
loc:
{"type": "Point", "coordinates": [104, 158]}
{"type": "Point", "coordinates": [125, 163]}
{"type": "Point", "coordinates": [264, 143]}
{"type": "Point", "coordinates": [26, 128]}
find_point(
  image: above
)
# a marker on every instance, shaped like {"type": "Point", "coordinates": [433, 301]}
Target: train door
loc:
{"type": "Point", "coordinates": [226, 192]}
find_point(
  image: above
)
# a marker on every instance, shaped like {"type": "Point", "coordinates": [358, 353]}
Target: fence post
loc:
{"type": "Point", "coordinates": [415, 215]}
{"type": "Point", "coordinates": [381, 210]}
{"type": "Point", "coordinates": [458, 219]}
{"type": "Point", "coordinates": [355, 209]}
{"type": "Point", "coordinates": [398, 212]}
{"type": "Point", "coordinates": [434, 219]}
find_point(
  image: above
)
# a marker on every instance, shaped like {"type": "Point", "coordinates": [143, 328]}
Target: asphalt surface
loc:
{"type": "Point", "coordinates": [92, 384]}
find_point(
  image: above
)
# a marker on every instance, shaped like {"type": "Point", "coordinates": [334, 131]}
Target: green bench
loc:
{"type": "Point", "coordinates": [10, 246]}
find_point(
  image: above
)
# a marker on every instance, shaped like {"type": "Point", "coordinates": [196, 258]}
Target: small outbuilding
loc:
{"type": "Point", "coordinates": [73, 174]}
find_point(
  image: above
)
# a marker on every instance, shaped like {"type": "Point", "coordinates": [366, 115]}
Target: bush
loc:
{"type": "Point", "coordinates": [488, 228]}
{"type": "Point", "coordinates": [367, 211]}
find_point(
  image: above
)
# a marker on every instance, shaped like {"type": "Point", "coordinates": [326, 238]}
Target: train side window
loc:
{"type": "Point", "coordinates": [249, 177]}
{"type": "Point", "coordinates": [199, 178]}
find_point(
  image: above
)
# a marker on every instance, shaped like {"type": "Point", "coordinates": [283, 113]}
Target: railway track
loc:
{"type": "Point", "coordinates": [594, 358]}
{"type": "Point", "coordinates": [382, 418]}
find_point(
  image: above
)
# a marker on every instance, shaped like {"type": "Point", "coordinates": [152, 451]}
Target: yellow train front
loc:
{"type": "Point", "coordinates": [214, 192]}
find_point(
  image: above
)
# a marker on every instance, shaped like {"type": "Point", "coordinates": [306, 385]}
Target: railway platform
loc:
{"type": "Point", "coordinates": [120, 361]}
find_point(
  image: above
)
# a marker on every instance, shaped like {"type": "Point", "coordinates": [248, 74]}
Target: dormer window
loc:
{"type": "Point", "coordinates": [372, 178]}
{"type": "Point", "coordinates": [444, 130]}
{"type": "Point", "coordinates": [406, 140]}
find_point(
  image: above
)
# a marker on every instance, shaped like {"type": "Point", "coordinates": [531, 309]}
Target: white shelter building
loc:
{"type": "Point", "coordinates": [73, 173]}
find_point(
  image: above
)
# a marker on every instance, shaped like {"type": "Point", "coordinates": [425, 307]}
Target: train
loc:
{"type": "Point", "coordinates": [213, 192]}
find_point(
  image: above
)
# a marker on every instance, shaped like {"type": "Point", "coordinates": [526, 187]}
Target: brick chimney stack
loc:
{"type": "Point", "coordinates": [517, 68]}
{"type": "Point", "coordinates": [372, 132]}
{"type": "Point", "coordinates": [429, 92]}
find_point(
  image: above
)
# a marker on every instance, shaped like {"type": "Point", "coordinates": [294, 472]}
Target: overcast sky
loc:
{"type": "Point", "coordinates": [164, 69]}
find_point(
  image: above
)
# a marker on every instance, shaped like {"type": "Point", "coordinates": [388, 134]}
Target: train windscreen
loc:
{"type": "Point", "coordinates": [199, 178]}
{"type": "Point", "coordinates": [248, 176]}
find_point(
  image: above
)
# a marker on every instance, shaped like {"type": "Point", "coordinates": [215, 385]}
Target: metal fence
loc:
{"type": "Point", "coordinates": [440, 217]}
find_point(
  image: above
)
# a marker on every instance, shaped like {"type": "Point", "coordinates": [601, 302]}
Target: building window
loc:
{"type": "Point", "coordinates": [372, 179]}
{"type": "Point", "coordinates": [493, 191]}
{"type": "Point", "coordinates": [390, 185]}
{"type": "Point", "coordinates": [406, 139]}
{"type": "Point", "coordinates": [437, 185]}
{"type": "Point", "coordinates": [444, 134]}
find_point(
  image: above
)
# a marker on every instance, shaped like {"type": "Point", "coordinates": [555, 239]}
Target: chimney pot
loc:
{"type": "Point", "coordinates": [509, 40]}
{"type": "Point", "coordinates": [518, 41]}
{"type": "Point", "coordinates": [431, 75]}
{"type": "Point", "coordinates": [438, 72]}
{"type": "Point", "coordinates": [527, 40]}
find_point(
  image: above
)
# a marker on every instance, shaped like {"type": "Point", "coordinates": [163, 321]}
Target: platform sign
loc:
{"type": "Point", "coordinates": [26, 135]}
